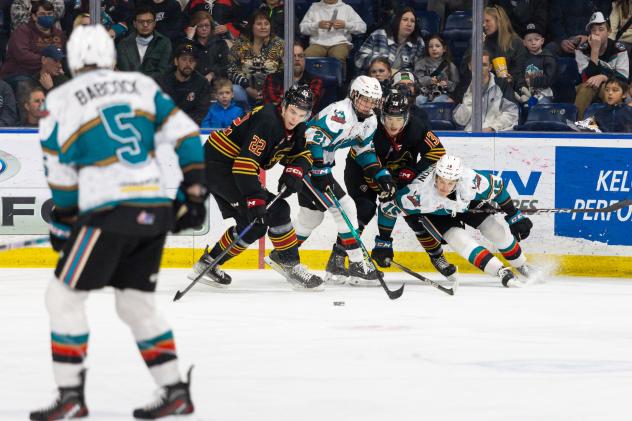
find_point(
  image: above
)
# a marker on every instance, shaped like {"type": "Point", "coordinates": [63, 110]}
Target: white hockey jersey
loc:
{"type": "Point", "coordinates": [99, 140]}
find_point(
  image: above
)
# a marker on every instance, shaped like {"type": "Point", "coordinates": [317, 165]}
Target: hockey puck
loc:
{"type": "Point", "coordinates": [339, 303]}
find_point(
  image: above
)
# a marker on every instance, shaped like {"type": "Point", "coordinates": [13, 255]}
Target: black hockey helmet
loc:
{"type": "Point", "coordinates": [301, 96]}
{"type": "Point", "coordinates": [396, 105]}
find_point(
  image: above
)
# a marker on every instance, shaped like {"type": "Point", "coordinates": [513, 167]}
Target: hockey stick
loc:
{"type": "Point", "coordinates": [391, 294]}
{"type": "Point", "coordinates": [449, 291]}
{"type": "Point", "coordinates": [530, 211]}
{"type": "Point", "coordinates": [25, 243]}
{"type": "Point", "coordinates": [180, 294]}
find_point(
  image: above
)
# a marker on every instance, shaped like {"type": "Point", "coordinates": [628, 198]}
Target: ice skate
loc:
{"type": "Point", "coordinates": [336, 273]}
{"type": "Point", "coordinates": [531, 274]}
{"type": "Point", "coordinates": [508, 278]}
{"type": "Point", "coordinates": [295, 273]}
{"type": "Point", "coordinates": [215, 277]}
{"type": "Point", "coordinates": [173, 400]}
{"type": "Point", "coordinates": [69, 404]}
{"type": "Point", "coordinates": [363, 274]}
{"type": "Point", "coordinates": [444, 267]}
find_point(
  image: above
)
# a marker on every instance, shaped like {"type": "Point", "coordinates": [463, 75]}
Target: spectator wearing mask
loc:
{"type": "Point", "coordinates": [168, 18]}
{"type": "Point", "coordinates": [253, 57]}
{"type": "Point", "coordinates": [24, 52]}
{"type": "Point", "coordinates": [329, 25]}
{"type": "Point", "coordinates": [224, 110]}
{"type": "Point", "coordinates": [8, 111]}
{"type": "Point", "coordinates": [598, 59]}
{"type": "Point", "coordinates": [380, 68]}
{"type": "Point", "coordinates": [534, 81]}
{"type": "Point", "coordinates": [212, 50]}
{"type": "Point", "coordinates": [189, 90]}
{"type": "Point", "coordinates": [436, 74]}
{"type": "Point", "coordinates": [523, 12]}
{"type": "Point", "coordinates": [401, 42]}
{"type": "Point", "coordinates": [21, 11]}
{"type": "Point", "coordinates": [499, 112]}
{"type": "Point", "coordinates": [273, 86]}
{"type": "Point", "coordinates": [144, 50]}
{"type": "Point", "coordinates": [33, 106]}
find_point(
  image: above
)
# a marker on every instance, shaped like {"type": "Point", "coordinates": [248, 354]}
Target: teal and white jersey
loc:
{"type": "Point", "coordinates": [100, 136]}
{"type": "Point", "coordinates": [337, 127]}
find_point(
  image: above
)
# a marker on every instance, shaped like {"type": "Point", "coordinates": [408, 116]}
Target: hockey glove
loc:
{"type": "Point", "coordinates": [519, 225]}
{"type": "Point", "coordinates": [406, 175]}
{"type": "Point", "coordinates": [292, 179]}
{"type": "Point", "coordinates": [387, 188]}
{"type": "Point", "coordinates": [382, 253]}
{"type": "Point", "coordinates": [59, 231]}
{"type": "Point", "coordinates": [188, 207]}
{"type": "Point", "coordinates": [322, 178]}
{"type": "Point", "coordinates": [255, 208]}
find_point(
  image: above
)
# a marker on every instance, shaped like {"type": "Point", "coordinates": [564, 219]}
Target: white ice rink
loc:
{"type": "Point", "coordinates": [262, 352]}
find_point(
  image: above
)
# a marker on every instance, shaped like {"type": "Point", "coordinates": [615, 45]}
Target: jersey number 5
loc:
{"type": "Point", "coordinates": [118, 121]}
{"type": "Point", "coordinates": [257, 145]}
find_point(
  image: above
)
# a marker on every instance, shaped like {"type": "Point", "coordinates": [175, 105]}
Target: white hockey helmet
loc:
{"type": "Point", "coordinates": [90, 45]}
{"type": "Point", "coordinates": [368, 87]}
{"type": "Point", "coordinates": [449, 167]}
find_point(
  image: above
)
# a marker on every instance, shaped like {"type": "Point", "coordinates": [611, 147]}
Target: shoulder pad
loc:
{"type": "Point", "coordinates": [620, 47]}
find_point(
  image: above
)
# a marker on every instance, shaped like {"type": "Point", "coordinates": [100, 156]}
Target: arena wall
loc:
{"type": "Point", "coordinates": [543, 170]}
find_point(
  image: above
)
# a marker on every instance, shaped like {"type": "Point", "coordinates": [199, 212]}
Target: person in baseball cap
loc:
{"type": "Point", "coordinates": [51, 74]}
{"type": "Point", "coordinates": [596, 19]}
{"type": "Point", "coordinates": [404, 82]}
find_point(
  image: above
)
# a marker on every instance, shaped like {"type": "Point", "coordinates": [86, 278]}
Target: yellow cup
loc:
{"type": "Point", "coordinates": [500, 66]}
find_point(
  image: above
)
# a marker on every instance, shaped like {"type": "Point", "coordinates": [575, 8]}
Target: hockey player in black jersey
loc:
{"type": "Point", "coordinates": [405, 146]}
{"type": "Point", "coordinates": [234, 157]}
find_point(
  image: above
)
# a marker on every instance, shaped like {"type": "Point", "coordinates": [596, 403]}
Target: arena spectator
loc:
{"type": "Point", "coordinates": [538, 71]}
{"type": "Point", "coordinates": [275, 10]}
{"type": "Point", "coordinates": [24, 53]}
{"type": "Point", "coordinates": [224, 110]}
{"type": "Point", "coordinates": [523, 12]}
{"type": "Point", "coordinates": [8, 111]}
{"type": "Point", "coordinates": [21, 11]}
{"type": "Point", "coordinates": [617, 116]}
{"type": "Point", "coordinates": [502, 41]}
{"type": "Point", "coordinates": [619, 17]}
{"type": "Point", "coordinates": [51, 74]}
{"type": "Point", "coordinates": [188, 89]}
{"type": "Point", "coordinates": [404, 82]}
{"type": "Point", "coordinates": [122, 14]}
{"type": "Point", "coordinates": [168, 18]}
{"type": "Point", "coordinates": [252, 57]}
{"type": "Point", "coordinates": [400, 42]}
{"type": "Point", "coordinates": [144, 50]}
{"type": "Point", "coordinates": [436, 75]}
{"type": "Point", "coordinates": [329, 25]}
{"type": "Point", "coordinates": [226, 24]}
{"type": "Point", "coordinates": [567, 24]}
{"type": "Point", "coordinates": [380, 68]}
{"type": "Point", "coordinates": [598, 59]}
{"type": "Point", "coordinates": [212, 50]}
{"type": "Point", "coordinates": [32, 106]}
{"type": "Point", "coordinates": [499, 112]}
{"type": "Point", "coordinates": [273, 86]}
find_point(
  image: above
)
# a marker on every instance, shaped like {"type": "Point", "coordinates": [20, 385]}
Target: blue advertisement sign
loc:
{"type": "Point", "coordinates": [593, 178]}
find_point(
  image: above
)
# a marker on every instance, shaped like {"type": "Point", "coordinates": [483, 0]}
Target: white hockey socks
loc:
{"type": "Point", "coordinates": [69, 332]}
{"type": "Point", "coordinates": [467, 247]}
{"type": "Point", "coordinates": [153, 336]}
{"type": "Point", "coordinates": [499, 234]}
{"type": "Point", "coordinates": [306, 222]}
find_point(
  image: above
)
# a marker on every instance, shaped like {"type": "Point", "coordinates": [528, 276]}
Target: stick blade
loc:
{"type": "Point", "coordinates": [393, 295]}
{"type": "Point", "coordinates": [177, 296]}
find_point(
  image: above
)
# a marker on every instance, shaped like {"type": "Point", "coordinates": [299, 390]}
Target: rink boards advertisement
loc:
{"type": "Point", "coordinates": [539, 170]}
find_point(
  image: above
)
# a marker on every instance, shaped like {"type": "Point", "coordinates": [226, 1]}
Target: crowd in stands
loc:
{"type": "Point", "coordinates": [546, 65]}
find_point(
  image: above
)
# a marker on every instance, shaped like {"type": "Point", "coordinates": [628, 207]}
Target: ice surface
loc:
{"type": "Point", "coordinates": [559, 351]}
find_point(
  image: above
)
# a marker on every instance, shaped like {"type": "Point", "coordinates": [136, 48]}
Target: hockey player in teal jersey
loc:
{"type": "Point", "coordinates": [347, 123]}
{"type": "Point", "coordinates": [112, 213]}
{"type": "Point", "coordinates": [443, 195]}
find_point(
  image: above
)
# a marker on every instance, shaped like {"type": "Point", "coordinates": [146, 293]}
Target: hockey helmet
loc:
{"type": "Point", "coordinates": [301, 96]}
{"type": "Point", "coordinates": [395, 105]}
{"type": "Point", "coordinates": [449, 167]}
{"type": "Point", "coordinates": [90, 45]}
{"type": "Point", "coordinates": [369, 88]}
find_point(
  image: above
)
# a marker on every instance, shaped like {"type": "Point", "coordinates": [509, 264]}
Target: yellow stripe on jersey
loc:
{"type": "Point", "coordinates": [84, 128]}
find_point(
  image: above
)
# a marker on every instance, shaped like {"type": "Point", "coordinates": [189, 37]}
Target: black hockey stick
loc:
{"type": "Point", "coordinates": [391, 294]}
{"type": "Point", "coordinates": [24, 243]}
{"type": "Point", "coordinates": [243, 232]}
{"type": "Point", "coordinates": [449, 291]}
{"type": "Point", "coordinates": [532, 211]}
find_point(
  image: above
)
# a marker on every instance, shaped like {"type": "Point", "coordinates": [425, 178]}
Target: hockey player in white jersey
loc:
{"type": "Point", "coordinates": [443, 196]}
{"type": "Point", "coordinates": [347, 123]}
{"type": "Point", "coordinates": [112, 213]}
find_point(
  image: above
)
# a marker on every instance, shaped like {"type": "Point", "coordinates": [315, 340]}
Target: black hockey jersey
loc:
{"type": "Point", "coordinates": [255, 141]}
{"type": "Point", "coordinates": [416, 147]}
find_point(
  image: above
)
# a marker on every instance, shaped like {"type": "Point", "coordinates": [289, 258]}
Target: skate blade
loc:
{"type": "Point", "coordinates": [363, 283]}
{"type": "Point", "coordinates": [331, 279]}
{"type": "Point", "coordinates": [295, 285]}
{"type": "Point", "coordinates": [515, 283]}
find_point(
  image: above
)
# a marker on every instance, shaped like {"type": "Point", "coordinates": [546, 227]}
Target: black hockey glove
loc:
{"type": "Point", "coordinates": [59, 231]}
{"type": "Point", "coordinates": [322, 178]}
{"type": "Point", "coordinates": [255, 208]}
{"type": "Point", "coordinates": [519, 225]}
{"type": "Point", "coordinates": [292, 179]}
{"type": "Point", "coordinates": [188, 208]}
{"type": "Point", "coordinates": [382, 253]}
{"type": "Point", "coordinates": [387, 188]}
